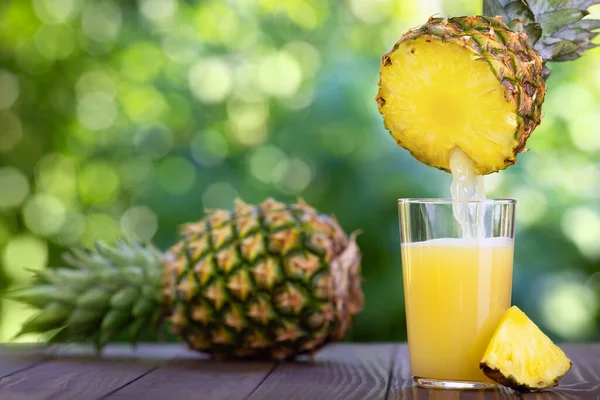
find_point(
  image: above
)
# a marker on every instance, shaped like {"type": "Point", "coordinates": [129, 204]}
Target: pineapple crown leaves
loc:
{"type": "Point", "coordinates": [555, 28]}
{"type": "Point", "coordinates": [100, 293]}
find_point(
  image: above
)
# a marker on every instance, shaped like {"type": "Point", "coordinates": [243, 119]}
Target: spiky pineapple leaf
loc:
{"type": "Point", "coordinates": [94, 298]}
{"type": "Point", "coordinates": [494, 8]}
{"type": "Point", "coordinates": [556, 48]}
{"type": "Point", "coordinates": [101, 293]}
{"type": "Point", "coordinates": [51, 316]}
{"type": "Point", "coordinates": [125, 298]}
{"type": "Point", "coordinates": [555, 28]}
{"type": "Point", "coordinates": [83, 316]}
{"type": "Point", "coordinates": [517, 15]}
{"type": "Point", "coordinates": [542, 6]}
{"type": "Point", "coordinates": [40, 296]}
{"type": "Point", "coordinates": [513, 12]}
{"type": "Point", "coordinates": [554, 21]}
{"type": "Point", "coordinates": [136, 329]}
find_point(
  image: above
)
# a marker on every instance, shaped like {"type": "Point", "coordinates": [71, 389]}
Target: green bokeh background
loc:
{"type": "Point", "coordinates": [137, 116]}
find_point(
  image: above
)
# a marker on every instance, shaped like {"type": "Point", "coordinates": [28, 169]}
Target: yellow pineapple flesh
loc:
{"type": "Point", "coordinates": [521, 356]}
{"type": "Point", "coordinates": [447, 99]}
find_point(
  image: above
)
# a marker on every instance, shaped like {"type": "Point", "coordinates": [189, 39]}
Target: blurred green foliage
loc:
{"type": "Point", "coordinates": [136, 116]}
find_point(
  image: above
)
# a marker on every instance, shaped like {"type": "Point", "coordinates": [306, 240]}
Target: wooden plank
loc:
{"type": "Point", "coordinates": [76, 375]}
{"type": "Point", "coordinates": [582, 381]}
{"type": "Point", "coordinates": [17, 358]}
{"type": "Point", "coordinates": [151, 352]}
{"type": "Point", "coordinates": [192, 375]}
{"type": "Point", "coordinates": [340, 371]}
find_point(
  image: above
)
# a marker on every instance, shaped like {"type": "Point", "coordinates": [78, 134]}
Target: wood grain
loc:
{"type": "Point", "coordinates": [582, 381]}
{"type": "Point", "coordinates": [340, 371]}
{"type": "Point", "coordinates": [75, 376]}
{"type": "Point", "coordinates": [197, 378]}
{"type": "Point", "coordinates": [17, 358]}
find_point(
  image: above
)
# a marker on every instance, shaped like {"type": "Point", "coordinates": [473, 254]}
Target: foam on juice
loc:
{"type": "Point", "coordinates": [457, 242]}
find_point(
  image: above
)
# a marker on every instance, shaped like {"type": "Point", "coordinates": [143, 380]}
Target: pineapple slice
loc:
{"type": "Point", "coordinates": [521, 356]}
{"type": "Point", "coordinates": [467, 82]}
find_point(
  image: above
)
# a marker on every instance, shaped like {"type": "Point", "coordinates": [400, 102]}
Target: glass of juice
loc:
{"type": "Point", "coordinates": [457, 262]}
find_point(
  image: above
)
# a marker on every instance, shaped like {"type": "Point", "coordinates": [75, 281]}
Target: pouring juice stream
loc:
{"type": "Point", "coordinates": [467, 185]}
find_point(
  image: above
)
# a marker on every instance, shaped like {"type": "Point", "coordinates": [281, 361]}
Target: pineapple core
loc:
{"type": "Point", "coordinates": [438, 96]}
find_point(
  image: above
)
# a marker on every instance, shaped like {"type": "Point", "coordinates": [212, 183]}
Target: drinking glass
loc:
{"type": "Point", "coordinates": [457, 262]}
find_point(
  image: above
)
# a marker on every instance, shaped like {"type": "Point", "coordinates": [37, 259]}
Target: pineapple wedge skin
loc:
{"type": "Point", "coordinates": [515, 320]}
{"type": "Point", "coordinates": [515, 64]}
{"type": "Point", "coordinates": [511, 382]}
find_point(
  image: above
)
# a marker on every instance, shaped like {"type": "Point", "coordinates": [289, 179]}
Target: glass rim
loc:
{"type": "Point", "coordinates": [433, 200]}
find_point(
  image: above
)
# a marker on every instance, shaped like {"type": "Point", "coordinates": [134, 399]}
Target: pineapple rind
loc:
{"type": "Point", "coordinates": [273, 281]}
{"type": "Point", "coordinates": [512, 382]}
{"type": "Point", "coordinates": [522, 357]}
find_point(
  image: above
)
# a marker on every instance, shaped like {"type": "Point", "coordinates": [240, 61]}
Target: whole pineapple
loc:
{"type": "Point", "coordinates": [477, 82]}
{"type": "Point", "coordinates": [266, 281]}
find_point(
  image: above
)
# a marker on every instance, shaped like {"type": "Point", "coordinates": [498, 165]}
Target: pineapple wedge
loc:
{"type": "Point", "coordinates": [521, 356]}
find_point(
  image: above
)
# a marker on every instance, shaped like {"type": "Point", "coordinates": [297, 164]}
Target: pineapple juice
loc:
{"type": "Point", "coordinates": [456, 291]}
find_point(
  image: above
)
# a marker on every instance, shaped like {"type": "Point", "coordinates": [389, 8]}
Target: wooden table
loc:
{"type": "Point", "coordinates": [341, 371]}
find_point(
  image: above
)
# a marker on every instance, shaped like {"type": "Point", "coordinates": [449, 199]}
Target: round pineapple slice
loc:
{"type": "Point", "coordinates": [467, 82]}
{"type": "Point", "coordinates": [521, 356]}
